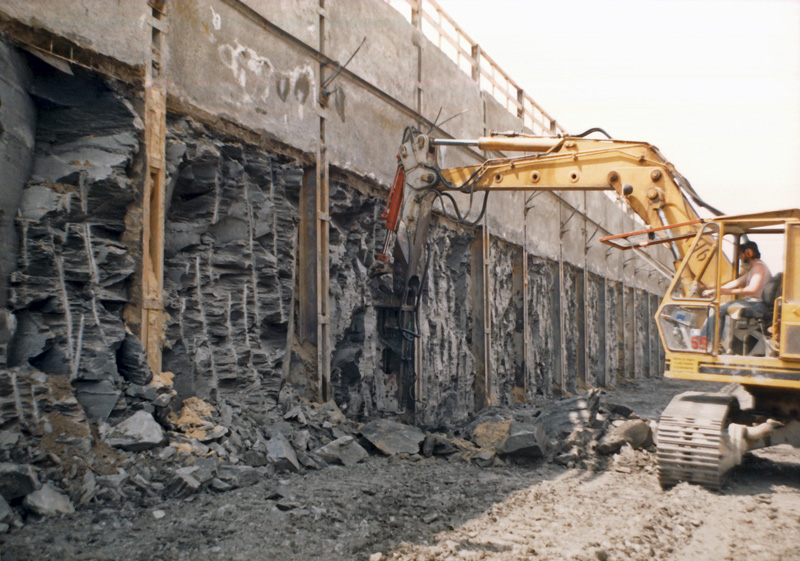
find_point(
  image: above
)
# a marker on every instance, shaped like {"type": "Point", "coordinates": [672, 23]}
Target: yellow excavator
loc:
{"type": "Point", "coordinates": [701, 435]}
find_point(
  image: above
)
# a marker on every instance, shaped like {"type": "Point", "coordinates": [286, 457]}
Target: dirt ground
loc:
{"type": "Point", "coordinates": [415, 508]}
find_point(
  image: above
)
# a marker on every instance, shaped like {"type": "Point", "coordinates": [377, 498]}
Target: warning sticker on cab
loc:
{"type": "Point", "coordinates": [684, 365]}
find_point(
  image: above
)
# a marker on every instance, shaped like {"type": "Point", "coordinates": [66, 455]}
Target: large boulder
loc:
{"type": "Point", "coordinates": [491, 434]}
{"type": "Point", "coordinates": [344, 450]}
{"type": "Point", "coordinates": [6, 512]}
{"type": "Point", "coordinates": [281, 454]}
{"type": "Point", "coordinates": [391, 437]}
{"type": "Point", "coordinates": [527, 440]}
{"type": "Point", "coordinates": [635, 432]}
{"type": "Point", "coordinates": [512, 438]}
{"type": "Point", "coordinates": [561, 418]}
{"type": "Point", "coordinates": [48, 502]}
{"type": "Point", "coordinates": [136, 433]}
{"type": "Point", "coordinates": [17, 480]}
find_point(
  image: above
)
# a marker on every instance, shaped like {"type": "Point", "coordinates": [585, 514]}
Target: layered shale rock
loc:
{"type": "Point", "coordinates": [229, 263]}
{"type": "Point", "coordinates": [448, 362]}
{"type": "Point", "coordinates": [354, 364]}
{"type": "Point", "coordinates": [73, 268]}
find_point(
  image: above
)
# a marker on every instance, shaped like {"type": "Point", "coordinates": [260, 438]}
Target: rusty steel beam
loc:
{"type": "Point", "coordinates": [155, 123]}
{"type": "Point", "coordinates": [323, 233]}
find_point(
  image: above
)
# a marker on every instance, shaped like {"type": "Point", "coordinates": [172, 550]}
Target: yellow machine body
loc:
{"type": "Point", "coordinates": [770, 357]}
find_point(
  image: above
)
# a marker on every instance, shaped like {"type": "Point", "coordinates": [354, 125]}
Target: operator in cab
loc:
{"type": "Point", "coordinates": [750, 285]}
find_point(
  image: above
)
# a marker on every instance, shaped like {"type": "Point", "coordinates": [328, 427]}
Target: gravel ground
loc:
{"type": "Point", "coordinates": [413, 508]}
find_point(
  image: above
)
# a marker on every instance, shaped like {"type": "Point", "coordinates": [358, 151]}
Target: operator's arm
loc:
{"type": "Point", "coordinates": [753, 287]}
{"type": "Point", "coordinates": [731, 287]}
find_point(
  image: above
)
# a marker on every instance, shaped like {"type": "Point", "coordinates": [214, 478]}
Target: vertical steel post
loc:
{"type": "Point", "coordinates": [476, 64]}
{"type": "Point", "coordinates": [561, 300]}
{"type": "Point", "coordinates": [323, 233]}
{"type": "Point", "coordinates": [634, 374]}
{"type": "Point", "coordinates": [605, 331]}
{"type": "Point", "coordinates": [155, 125]}
{"type": "Point", "coordinates": [525, 305]}
{"type": "Point", "coordinates": [487, 315]}
{"type": "Point", "coordinates": [586, 334]}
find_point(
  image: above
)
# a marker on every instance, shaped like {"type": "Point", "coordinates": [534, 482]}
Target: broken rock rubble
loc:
{"type": "Point", "coordinates": [216, 449]}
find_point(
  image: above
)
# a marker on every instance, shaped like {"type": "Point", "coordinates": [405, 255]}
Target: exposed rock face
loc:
{"type": "Point", "coordinates": [448, 363]}
{"type": "Point", "coordinates": [132, 361]}
{"type": "Point", "coordinates": [544, 319]}
{"type": "Point", "coordinates": [229, 259]}
{"type": "Point", "coordinates": [344, 450]}
{"type": "Point", "coordinates": [596, 328]}
{"type": "Point", "coordinates": [615, 355]}
{"type": "Point", "coordinates": [392, 438]}
{"type": "Point", "coordinates": [507, 322]}
{"type": "Point", "coordinates": [635, 432]}
{"type": "Point", "coordinates": [642, 350]}
{"type": "Point", "coordinates": [73, 267]}
{"type": "Point", "coordinates": [572, 315]}
{"type": "Point", "coordinates": [354, 365]}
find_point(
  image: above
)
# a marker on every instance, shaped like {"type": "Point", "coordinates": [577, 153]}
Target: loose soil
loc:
{"type": "Point", "coordinates": [414, 509]}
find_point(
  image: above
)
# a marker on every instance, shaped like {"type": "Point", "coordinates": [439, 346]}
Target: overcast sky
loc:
{"type": "Point", "coordinates": [715, 84]}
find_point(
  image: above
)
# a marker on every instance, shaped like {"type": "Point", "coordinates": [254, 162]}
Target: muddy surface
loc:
{"type": "Point", "coordinates": [415, 508]}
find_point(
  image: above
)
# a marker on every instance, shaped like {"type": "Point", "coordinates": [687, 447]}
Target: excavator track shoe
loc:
{"type": "Point", "coordinates": [691, 444]}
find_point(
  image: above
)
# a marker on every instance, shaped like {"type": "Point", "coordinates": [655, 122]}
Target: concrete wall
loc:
{"type": "Point", "coordinates": [564, 312]}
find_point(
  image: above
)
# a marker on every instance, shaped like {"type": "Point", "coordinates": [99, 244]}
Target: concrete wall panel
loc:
{"type": "Point", "coordinates": [447, 88]}
{"type": "Point", "coordinates": [596, 260]}
{"type": "Point", "coordinates": [300, 19]}
{"type": "Point", "coordinates": [242, 73]}
{"type": "Point", "coordinates": [388, 58]}
{"type": "Point", "coordinates": [115, 29]}
{"type": "Point", "coordinates": [543, 225]}
{"type": "Point", "coordinates": [365, 137]}
{"type": "Point", "coordinates": [498, 118]}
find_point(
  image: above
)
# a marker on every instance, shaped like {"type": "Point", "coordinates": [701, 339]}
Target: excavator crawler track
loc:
{"type": "Point", "coordinates": [691, 440]}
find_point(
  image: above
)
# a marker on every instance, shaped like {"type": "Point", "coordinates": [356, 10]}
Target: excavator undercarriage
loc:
{"type": "Point", "coordinates": [702, 436]}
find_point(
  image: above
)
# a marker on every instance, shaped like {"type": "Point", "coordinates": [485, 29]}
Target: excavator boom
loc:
{"type": "Point", "coordinates": [637, 171]}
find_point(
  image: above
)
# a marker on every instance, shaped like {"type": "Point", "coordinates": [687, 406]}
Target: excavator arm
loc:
{"type": "Point", "coordinates": [658, 194]}
{"type": "Point", "coordinates": [646, 180]}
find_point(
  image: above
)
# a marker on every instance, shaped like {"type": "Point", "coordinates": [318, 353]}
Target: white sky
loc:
{"type": "Point", "coordinates": [714, 84]}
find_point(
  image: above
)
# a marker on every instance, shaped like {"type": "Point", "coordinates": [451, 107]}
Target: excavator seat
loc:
{"type": "Point", "coordinates": [750, 335]}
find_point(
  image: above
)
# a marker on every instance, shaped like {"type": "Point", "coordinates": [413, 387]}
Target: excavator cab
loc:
{"type": "Point", "coordinates": [703, 435]}
{"type": "Point", "coordinates": [689, 318]}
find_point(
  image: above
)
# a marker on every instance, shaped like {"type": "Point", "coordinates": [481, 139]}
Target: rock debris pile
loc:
{"type": "Point", "coordinates": [53, 460]}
